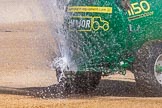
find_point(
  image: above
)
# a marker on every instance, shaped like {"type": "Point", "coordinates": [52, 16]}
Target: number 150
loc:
{"type": "Point", "coordinates": [137, 8]}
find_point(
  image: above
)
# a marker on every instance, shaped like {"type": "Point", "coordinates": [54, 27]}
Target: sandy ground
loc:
{"type": "Point", "coordinates": [20, 10]}
{"type": "Point", "coordinates": [27, 51]}
{"type": "Point", "coordinates": [11, 101]}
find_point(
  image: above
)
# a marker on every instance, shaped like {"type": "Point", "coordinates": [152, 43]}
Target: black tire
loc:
{"type": "Point", "coordinates": [143, 68]}
{"type": "Point", "coordinates": [80, 83]}
{"type": "Point", "coordinates": [87, 82]}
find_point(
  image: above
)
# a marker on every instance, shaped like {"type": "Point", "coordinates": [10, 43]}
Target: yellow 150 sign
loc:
{"type": "Point", "coordinates": [139, 7]}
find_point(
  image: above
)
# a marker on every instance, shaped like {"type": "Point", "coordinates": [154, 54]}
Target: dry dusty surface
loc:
{"type": "Point", "coordinates": [11, 101]}
{"type": "Point", "coordinates": [26, 52]}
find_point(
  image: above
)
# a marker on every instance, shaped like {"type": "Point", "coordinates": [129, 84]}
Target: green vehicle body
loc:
{"type": "Point", "coordinates": [104, 35]}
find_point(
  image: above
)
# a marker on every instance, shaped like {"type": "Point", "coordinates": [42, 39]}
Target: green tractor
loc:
{"type": "Point", "coordinates": [103, 37]}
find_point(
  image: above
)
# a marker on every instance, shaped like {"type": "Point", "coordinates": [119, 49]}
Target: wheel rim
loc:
{"type": "Point", "coordinates": [158, 69]}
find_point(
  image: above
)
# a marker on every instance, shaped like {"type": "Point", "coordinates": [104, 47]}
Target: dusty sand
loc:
{"type": "Point", "coordinates": [27, 50]}
{"type": "Point", "coordinates": [10, 101]}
